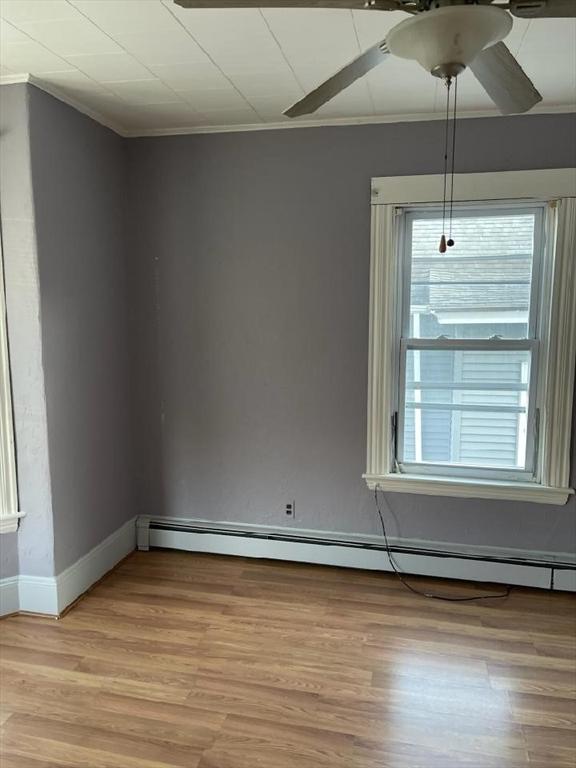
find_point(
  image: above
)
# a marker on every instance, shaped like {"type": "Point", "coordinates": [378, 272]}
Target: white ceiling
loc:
{"type": "Point", "coordinates": [151, 66]}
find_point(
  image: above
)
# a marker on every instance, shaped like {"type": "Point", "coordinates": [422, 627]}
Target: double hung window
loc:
{"type": "Point", "coordinates": [468, 372]}
{"type": "Point", "coordinates": [471, 367]}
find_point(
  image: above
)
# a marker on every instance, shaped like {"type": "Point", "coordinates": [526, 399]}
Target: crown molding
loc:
{"type": "Point", "coordinates": [249, 127]}
{"type": "Point", "coordinates": [61, 95]}
{"type": "Point", "coordinates": [14, 79]}
{"type": "Point", "coordinates": [334, 122]}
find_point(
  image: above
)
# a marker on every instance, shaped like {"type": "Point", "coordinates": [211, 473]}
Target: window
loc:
{"type": "Point", "coordinates": [469, 343]}
{"type": "Point", "coordinates": [9, 514]}
{"type": "Point", "coordinates": [472, 351]}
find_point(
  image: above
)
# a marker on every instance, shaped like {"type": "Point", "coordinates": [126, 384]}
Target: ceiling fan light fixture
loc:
{"type": "Point", "coordinates": [446, 40]}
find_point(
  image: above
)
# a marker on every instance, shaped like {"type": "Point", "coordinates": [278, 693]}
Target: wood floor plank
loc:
{"type": "Point", "coordinates": [552, 746]}
{"type": "Point", "coordinates": [100, 734]}
{"type": "Point", "coordinates": [161, 723]}
{"type": "Point", "coordinates": [547, 711]}
{"type": "Point", "coordinates": [533, 678]}
{"type": "Point", "coordinates": [393, 754]}
{"type": "Point", "coordinates": [59, 753]}
{"type": "Point", "coordinates": [199, 661]}
{"type": "Point", "coordinates": [18, 675]}
{"type": "Point", "coordinates": [19, 761]}
{"type": "Point", "coordinates": [245, 742]}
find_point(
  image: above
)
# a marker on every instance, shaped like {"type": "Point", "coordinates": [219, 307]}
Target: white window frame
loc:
{"type": "Point", "coordinates": [557, 189]}
{"type": "Point", "coordinates": [9, 514]}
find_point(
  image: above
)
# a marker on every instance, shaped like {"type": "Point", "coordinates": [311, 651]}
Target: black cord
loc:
{"type": "Point", "coordinates": [430, 595]}
{"type": "Point", "coordinates": [446, 134]}
{"type": "Point", "coordinates": [453, 155]}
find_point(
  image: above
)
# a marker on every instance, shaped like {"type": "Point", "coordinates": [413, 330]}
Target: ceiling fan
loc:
{"type": "Point", "coordinates": [444, 36]}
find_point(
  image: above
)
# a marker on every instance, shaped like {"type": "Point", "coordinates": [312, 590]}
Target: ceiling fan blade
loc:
{"type": "Point", "coordinates": [341, 80]}
{"type": "Point", "coordinates": [361, 5]}
{"type": "Point", "coordinates": [504, 80]}
{"type": "Point", "coordinates": [541, 9]}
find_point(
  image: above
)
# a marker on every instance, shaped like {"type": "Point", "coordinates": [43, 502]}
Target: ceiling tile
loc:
{"type": "Point", "coordinates": [31, 57]}
{"type": "Point", "coordinates": [161, 48]}
{"type": "Point", "coordinates": [70, 37]}
{"type": "Point", "coordinates": [233, 39]}
{"type": "Point", "coordinates": [162, 116]}
{"type": "Point", "coordinates": [254, 83]}
{"type": "Point", "coordinates": [124, 17]}
{"type": "Point", "coordinates": [316, 42]}
{"type": "Point", "coordinates": [223, 117]}
{"type": "Point", "coordinates": [372, 27]}
{"type": "Point", "coordinates": [548, 35]}
{"type": "Point", "coordinates": [10, 34]}
{"type": "Point", "coordinates": [144, 92]}
{"type": "Point", "coordinates": [73, 83]}
{"type": "Point", "coordinates": [108, 104]}
{"type": "Point", "coordinates": [354, 101]}
{"type": "Point", "coordinates": [188, 75]}
{"type": "Point", "coordinates": [272, 107]}
{"type": "Point", "coordinates": [17, 11]}
{"type": "Point", "coordinates": [548, 56]}
{"type": "Point", "coordinates": [399, 86]}
{"type": "Point", "coordinates": [219, 98]}
{"type": "Point", "coordinates": [516, 36]}
{"type": "Point", "coordinates": [110, 67]}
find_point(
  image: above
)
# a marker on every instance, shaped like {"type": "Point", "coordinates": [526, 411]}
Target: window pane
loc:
{"type": "Point", "coordinates": [466, 407]}
{"type": "Point", "coordinates": [481, 286]}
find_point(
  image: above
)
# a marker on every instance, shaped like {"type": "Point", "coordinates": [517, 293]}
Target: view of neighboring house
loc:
{"type": "Point", "coordinates": [470, 407]}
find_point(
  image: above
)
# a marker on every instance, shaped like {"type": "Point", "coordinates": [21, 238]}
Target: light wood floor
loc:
{"type": "Point", "coordinates": [202, 661]}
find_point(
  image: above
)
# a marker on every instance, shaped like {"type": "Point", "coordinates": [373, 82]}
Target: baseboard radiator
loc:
{"type": "Point", "coordinates": [518, 567]}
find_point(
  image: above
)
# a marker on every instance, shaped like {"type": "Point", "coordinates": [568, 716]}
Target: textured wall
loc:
{"type": "Point", "coordinates": [35, 539]}
{"type": "Point", "coordinates": [250, 325]}
{"type": "Point", "coordinates": [8, 555]}
{"type": "Point", "coordinates": [78, 171]}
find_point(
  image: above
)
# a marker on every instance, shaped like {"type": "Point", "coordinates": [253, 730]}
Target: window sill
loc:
{"type": "Point", "coordinates": [9, 522]}
{"type": "Point", "coordinates": [473, 489]}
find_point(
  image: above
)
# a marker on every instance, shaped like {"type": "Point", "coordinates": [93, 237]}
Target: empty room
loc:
{"type": "Point", "coordinates": [287, 376]}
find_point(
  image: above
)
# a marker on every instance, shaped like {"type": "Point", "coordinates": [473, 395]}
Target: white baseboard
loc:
{"type": "Point", "coordinates": [38, 594]}
{"type": "Point", "coordinates": [565, 580]}
{"type": "Point", "coordinates": [52, 594]}
{"type": "Point", "coordinates": [80, 576]}
{"type": "Point", "coordinates": [8, 595]}
{"type": "Point", "coordinates": [521, 568]}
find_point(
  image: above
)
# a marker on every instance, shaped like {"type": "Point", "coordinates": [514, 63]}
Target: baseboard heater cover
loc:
{"type": "Point", "coordinates": [300, 546]}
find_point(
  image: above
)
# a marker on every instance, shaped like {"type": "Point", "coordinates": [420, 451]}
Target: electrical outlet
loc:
{"type": "Point", "coordinates": [291, 509]}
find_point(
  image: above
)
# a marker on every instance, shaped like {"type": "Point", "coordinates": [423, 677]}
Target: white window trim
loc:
{"type": "Point", "coordinates": [558, 341]}
{"type": "Point", "coordinates": [9, 514]}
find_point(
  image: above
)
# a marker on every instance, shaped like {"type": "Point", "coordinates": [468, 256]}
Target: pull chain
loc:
{"type": "Point", "coordinates": [443, 241]}
{"type": "Point", "coordinates": [450, 242]}
{"type": "Point", "coordinates": [442, 247]}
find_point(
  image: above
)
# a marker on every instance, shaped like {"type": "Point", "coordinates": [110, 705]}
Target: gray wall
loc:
{"type": "Point", "coordinates": [79, 183]}
{"type": "Point", "coordinates": [250, 324]}
{"type": "Point", "coordinates": [35, 538]}
{"type": "Point", "coordinates": [8, 555]}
